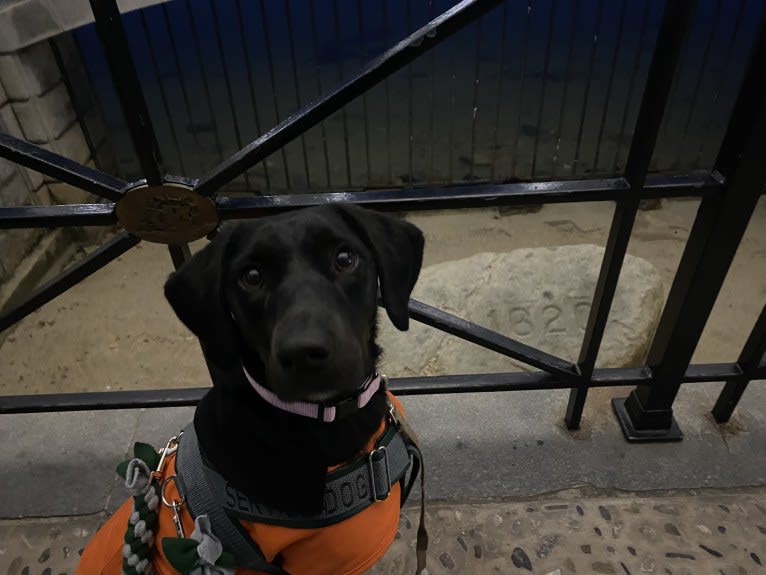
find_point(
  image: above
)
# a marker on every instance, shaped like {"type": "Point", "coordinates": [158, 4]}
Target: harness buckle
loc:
{"type": "Point", "coordinates": [377, 457]}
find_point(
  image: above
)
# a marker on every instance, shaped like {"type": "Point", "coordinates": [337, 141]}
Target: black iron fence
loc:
{"type": "Point", "coordinates": [176, 210]}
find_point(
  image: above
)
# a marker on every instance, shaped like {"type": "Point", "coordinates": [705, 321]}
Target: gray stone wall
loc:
{"type": "Point", "coordinates": [35, 106]}
{"type": "Point", "coordinates": [27, 22]}
{"type": "Point", "coordinates": [40, 76]}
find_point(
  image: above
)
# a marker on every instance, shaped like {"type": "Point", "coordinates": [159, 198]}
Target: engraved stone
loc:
{"type": "Point", "coordinates": [539, 296]}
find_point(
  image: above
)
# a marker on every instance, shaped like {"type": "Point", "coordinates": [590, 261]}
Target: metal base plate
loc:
{"type": "Point", "coordinates": [643, 435]}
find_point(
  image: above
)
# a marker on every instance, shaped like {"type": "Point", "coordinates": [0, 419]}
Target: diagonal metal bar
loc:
{"type": "Point", "coordinates": [93, 262]}
{"type": "Point", "coordinates": [749, 360]}
{"type": "Point", "coordinates": [57, 216]}
{"type": "Point", "coordinates": [489, 339]}
{"type": "Point", "coordinates": [377, 70]}
{"type": "Point", "coordinates": [474, 196]}
{"type": "Point", "coordinates": [179, 254]}
{"type": "Point", "coordinates": [61, 168]}
{"type": "Point", "coordinates": [468, 383]}
{"type": "Point", "coordinates": [117, 51]}
{"type": "Point", "coordinates": [718, 228]}
{"type": "Point", "coordinates": [676, 22]}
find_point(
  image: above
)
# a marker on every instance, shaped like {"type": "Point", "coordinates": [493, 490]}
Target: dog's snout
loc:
{"type": "Point", "coordinates": [303, 353]}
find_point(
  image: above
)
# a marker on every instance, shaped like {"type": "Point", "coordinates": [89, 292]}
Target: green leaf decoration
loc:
{"type": "Point", "coordinates": [181, 553]}
{"type": "Point", "coordinates": [122, 468]}
{"type": "Point", "coordinates": [147, 454]}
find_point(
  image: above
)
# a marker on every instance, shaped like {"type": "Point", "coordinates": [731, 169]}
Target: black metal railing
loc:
{"type": "Point", "coordinates": [729, 193]}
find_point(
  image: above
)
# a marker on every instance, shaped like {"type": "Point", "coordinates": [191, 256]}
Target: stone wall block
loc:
{"type": "Point", "coordinates": [14, 191]}
{"type": "Point", "coordinates": [10, 125]}
{"type": "Point", "coordinates": [62, 193]}
{"type": "Point", "coordinates": [26, 22]}
{"type": "Point", "coordinates": [8, 122]}
{"type": "Point", "coordinates": [14, 245]}
{"type": "Point", "coordinates": [7, 170]}
{"type": "Point", "coordinates": [29, 72]}
{"type": "Point", "coordinates": [44, 118]}
{"type": "Point", "coordinates": [72, 145]}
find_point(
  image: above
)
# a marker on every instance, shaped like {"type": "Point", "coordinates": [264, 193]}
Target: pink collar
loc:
{"type": "Point", "coordinates": [323, 412]}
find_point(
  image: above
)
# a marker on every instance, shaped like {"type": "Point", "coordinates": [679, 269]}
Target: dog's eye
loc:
{"type": "Point", "coordinates": [251, 277]}
{"type": "Point", "coordinates": [345, 260]}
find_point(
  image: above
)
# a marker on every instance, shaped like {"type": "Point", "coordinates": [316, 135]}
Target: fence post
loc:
{"type": "Point", "coordinates": [749, 361]}
{"type": "Point", "coordinates": [647, 413]}
{"type": "Point", "coordinates": [676, 22]}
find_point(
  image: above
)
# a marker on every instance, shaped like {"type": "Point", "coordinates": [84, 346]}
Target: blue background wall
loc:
{"type": "Point", "coordinates": [540, 89]}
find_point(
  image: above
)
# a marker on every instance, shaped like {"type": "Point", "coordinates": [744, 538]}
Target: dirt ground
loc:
{"type": "Point", "coordinates": [115, 330]}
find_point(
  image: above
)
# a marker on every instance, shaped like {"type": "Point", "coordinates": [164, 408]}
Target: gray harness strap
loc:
{"type": "Point", "coordinates": [196, 488]}
{"type": "Point", "coordinates": [348, 490]}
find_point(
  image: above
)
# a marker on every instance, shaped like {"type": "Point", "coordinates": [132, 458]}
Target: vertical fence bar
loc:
{"type": "Point", "coordinates": [610, 84]}
{"type": "Point", "coordinates": [475, 101]}
{"type": "Point", "coordinates": [272, 79]}
{"type": "Point", "coordinates": [692, 106]}
{"type": "Point", "coordinates": [633, 73]}
{"type": "Point", "coordinates": [647, 413]}
{"type": "Point", "coordinates": [541, 104]}
{"type": "Point", "coordinates": [675, 25]}
{"type": "Point", "coordinates": [315, 46]}
{"type": "Point", "coordinates": [522, 81]}
{"type": "Point", "coordinates": [296, 86]}
{"type": "Point", "coordinates": [721, 78]}
{"type": "Point", "coordinates": [117, 51]}
{"type": "Point", "coordinates": [594, 42]}
{"type": "Point", "coordinates": [749, 361]}
{"type": "Point", "coordinates": [363, 61]}
{"type": "Point", "coordinates": [251, 88]}
{"type": "Point", "coordinates": [344, 115]}
{"type": "Point", "coordinates": [179, 254]}
{"type": "Point", "coordinates": [163, 92]}
{"type": "Point", "coordinates": [499, 100]}
{"type": "Point", "coordinates": [567, 82]}
{"type": "Point", "coordinates": [204, 79]}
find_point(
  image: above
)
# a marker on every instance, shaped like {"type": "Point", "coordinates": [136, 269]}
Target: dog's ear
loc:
{"type": "Point", "coordinates": [195, 292]}
{"type": "Point", "coordinates": [397, 246]}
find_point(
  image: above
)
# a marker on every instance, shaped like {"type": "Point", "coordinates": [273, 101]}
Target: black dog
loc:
{"type": "Point", "coordinates": [288, 303]}
{"type": "Point", "coordinates": [293, 298]}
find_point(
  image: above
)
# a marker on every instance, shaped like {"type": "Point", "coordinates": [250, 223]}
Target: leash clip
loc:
{"type": "Point", "coordinates": [170, 448]}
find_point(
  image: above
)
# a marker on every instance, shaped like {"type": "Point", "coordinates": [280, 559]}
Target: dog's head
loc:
{"type": "Point", "coordinates": [294, 296]}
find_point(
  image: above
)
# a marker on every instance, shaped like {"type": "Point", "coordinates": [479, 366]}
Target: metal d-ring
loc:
{"type": "Point", "coordinates": [175, 506]}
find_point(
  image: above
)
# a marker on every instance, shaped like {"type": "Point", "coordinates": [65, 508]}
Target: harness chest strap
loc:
{"type": "Point", "coordinates": [348, 491]}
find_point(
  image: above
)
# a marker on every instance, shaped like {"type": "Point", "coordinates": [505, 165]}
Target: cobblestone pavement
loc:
{"type": "Point", "coordinates": [574, 532]}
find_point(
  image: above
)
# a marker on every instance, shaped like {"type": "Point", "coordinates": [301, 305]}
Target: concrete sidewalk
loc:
{"type": "Point", "coordinates": [715, 532]}
{"type": "Point", "coordinates": [509, 493]}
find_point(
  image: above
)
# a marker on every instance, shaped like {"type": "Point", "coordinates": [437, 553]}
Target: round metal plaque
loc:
{"type": "Point", "coordinates": [167, 214]}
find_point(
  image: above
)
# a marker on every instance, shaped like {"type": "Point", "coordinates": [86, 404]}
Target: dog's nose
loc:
{"type": "Point", "coordinates": [303, 354]}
